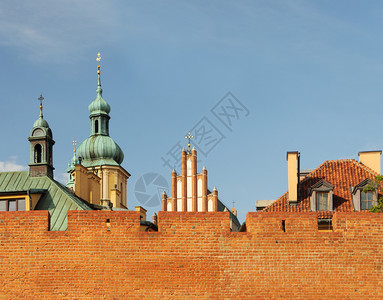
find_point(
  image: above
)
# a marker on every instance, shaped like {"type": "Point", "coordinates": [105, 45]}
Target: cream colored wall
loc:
{"type": "Point", "coordinates": [112, 176]}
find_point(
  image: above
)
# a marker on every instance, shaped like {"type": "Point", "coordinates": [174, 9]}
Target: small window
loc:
{"type": "Point", "coordinates": [38, 153]}
{"type": "Point", "coordinates": [325, 225]}
{"type": "Point", "coordinates": [367, 200]}
{"type": "Point", "coordinates": [322, 201]}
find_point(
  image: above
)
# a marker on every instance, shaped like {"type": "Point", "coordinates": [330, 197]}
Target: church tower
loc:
{"type": "Point", "coordinates": [190, 192]}
{"type": "Point", "coordinates": [100, 154]}
{"type": "Point", "coordinates": [41, 145]}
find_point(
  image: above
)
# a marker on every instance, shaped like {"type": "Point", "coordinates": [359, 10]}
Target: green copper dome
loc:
{"type": "Point", "coordinates": [99, 148]}
{"type": "Point", "coordinates": [40, 122]}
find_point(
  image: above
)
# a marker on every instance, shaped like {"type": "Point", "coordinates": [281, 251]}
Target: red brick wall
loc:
{"type": "Point", "coordinates": [193, 256]}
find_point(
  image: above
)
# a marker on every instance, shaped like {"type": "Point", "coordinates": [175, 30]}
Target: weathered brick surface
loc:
{"type": "Point", "coordinates": [193, 256]}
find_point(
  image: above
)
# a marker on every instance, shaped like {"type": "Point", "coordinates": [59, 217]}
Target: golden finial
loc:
{"type": "Point", "coordinates": [189, 136]}
{"type": "Point", "coordinates": [98, 59]}
{"type": "Point", "coordinates": [74, 143]}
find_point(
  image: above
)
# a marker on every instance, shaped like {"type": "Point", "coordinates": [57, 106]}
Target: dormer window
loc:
{"type": "Point", "coordinates": [367, 200]}
{"type": "Point", "coordinates": [364, 195]}
{"type": "Point", "coordinates": [321, 195]}
{"type": "Point", "coordinates": [322, 201]}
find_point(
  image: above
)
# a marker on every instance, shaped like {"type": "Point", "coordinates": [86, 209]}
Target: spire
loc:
{"type": "Point", "coordinates": [40, 122]}
{"type": "Point", "coordinates": [99, 105]}
{"type": "Point", "coordinates": [71, 166]}
{"type": "Point", "coordinates": [74, 158]}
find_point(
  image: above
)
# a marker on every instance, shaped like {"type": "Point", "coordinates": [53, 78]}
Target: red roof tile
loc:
{"type": "Point", "coordinates": [342, 174]}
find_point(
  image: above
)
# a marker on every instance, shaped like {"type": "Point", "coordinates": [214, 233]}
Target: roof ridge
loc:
{"type": "Point", "coordinates": [315, 170]}
{"type": "Point", "coordinates": [275, 202]}
{"type": "Point", "coordinates": [326, 162]}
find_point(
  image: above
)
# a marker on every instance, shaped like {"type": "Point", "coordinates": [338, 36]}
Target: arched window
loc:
{"type": "Point", "coordinates": [38, 153]}
{"type": "Point", "coordinates": [96, 126]}
{"type": "Point", "coordinates": [210, 205]}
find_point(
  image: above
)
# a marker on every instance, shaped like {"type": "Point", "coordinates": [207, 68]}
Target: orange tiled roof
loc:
{"type": "Point", "coordinates": [342, 174]}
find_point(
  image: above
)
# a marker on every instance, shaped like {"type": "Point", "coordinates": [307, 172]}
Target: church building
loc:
{"type": "Point", "coordinates": [97, 181]}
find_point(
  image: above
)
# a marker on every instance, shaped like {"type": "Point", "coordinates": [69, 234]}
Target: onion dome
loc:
{"type": "Point", "coordinates": [99, 150]}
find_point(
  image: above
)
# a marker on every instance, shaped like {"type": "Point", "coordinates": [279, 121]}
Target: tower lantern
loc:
{"type": "Point", "coordinates": [41, 147]}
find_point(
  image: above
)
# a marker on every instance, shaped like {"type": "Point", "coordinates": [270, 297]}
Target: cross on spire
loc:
{"type": "Point", "coordinates": [74, 143]}
{"type": "Point", "coordinates": [98, 59]}
{"type": "Point", "coordinates": [233, 203]}
{"type": "Point", "coordinates": [189, 136]}
{"type": "Point", "coordinates": [41, 98]}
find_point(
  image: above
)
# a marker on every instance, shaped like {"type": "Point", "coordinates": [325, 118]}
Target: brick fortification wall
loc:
{"type": "Point", "coordinates": [193, 256]}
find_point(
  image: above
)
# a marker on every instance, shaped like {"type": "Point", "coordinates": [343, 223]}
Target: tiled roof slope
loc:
{"type": "Point", "coordinates": [343, 174]}
{"type": "Point", "coordinates": [57, 199]}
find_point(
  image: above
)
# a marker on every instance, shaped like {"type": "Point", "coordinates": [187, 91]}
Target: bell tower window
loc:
{"type": "Point", "coordinates": [38, 153]}
{"type": "Point", "coordinates": [96, 126]}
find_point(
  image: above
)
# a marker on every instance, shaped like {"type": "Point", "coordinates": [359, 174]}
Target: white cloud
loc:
{"type": "Point", "coordinates": [11, 165]}
{"type": "Point", "coordinates": [62, 177]}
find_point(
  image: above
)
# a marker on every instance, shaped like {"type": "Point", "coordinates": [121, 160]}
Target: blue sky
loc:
{"type": "Point", "coordinates": [308, 72]}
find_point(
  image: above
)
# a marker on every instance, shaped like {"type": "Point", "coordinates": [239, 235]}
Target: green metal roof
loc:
{"type": "Point", "coordinates": [57, 199]}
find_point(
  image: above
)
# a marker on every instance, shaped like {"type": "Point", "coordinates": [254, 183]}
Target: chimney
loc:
{"type": "Point", "coordinates": [292, 163]}
{"type": "Point", "coordinates": [371, 159]}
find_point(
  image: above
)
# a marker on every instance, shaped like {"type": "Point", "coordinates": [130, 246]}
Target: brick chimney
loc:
{"type": "Point", "coordinates": [292, 163]}
{"type": "Point", "coordinates": [371, 159]}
